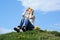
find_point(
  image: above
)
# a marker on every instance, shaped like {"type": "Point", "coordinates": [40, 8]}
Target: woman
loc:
{"type": "Point", "coordinates": [27, 21]}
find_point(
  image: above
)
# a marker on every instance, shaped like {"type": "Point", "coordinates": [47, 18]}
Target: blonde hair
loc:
{"type": "Point", "coordinates": [28, 9]}
{"type": "Point", "coordinates": [31, 10]}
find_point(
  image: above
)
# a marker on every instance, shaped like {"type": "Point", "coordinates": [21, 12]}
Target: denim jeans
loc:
{"type": "Point", "coordinates": [26, 23]}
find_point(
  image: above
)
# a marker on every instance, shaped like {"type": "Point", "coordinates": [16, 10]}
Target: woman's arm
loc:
{"type": "Point", "coordinates": [24, 15]}
{"type": "Point", "coordinates": [31, 16]}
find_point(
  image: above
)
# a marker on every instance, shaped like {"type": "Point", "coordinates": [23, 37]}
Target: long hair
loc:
{"type": "Point", "coordinates": [31, 10]}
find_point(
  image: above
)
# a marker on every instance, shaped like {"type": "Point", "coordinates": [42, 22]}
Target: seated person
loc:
{"type": "Point", "coordinates": [27, 21]}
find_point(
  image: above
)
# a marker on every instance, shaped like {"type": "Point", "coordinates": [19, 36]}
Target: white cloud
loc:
{"type": "Point", "coordinates": [58, 25]}
{"type": "Point", "coordinates": [42, 5]}
{"type": "Point", "coordinates": [4, 30]}
{"type": "Point", "coordinates": [54, 27]}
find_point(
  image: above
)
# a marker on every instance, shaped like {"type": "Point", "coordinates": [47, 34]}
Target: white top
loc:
{"type": "Point", "coordinates": [31, 17]}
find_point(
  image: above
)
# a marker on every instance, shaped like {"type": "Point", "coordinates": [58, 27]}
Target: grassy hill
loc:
{"type": "Point", "coordinates": [30, 35]}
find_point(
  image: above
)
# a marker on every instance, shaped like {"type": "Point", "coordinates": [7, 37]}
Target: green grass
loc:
{"type": "Point", "coordinates": [29, 35]}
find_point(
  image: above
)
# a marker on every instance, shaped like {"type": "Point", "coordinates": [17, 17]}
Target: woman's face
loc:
{"type": "Point", "coordinates": [29, 11]}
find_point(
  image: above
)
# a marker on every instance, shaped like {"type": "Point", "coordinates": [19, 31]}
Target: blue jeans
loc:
{"type": "Point", "coordinates": [26, 23]}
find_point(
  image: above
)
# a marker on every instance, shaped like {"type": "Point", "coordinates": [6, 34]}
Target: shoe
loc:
{"type": "Point", "coordinates": [19, 27]}
{"type": "Point", "coordinates": [16, 29]}
{"type": "Point", "coordinates": [24, 29]}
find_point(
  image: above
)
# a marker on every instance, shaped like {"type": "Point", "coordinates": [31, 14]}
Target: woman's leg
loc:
{"type": "Point", "coordinates": [27, 24]}
{"type": "Point", "coordinates": [30, 26]}
{"type": "Point", "coordinates": [20, 26]}
{"type": "Point", "coordinates": [21, 23]}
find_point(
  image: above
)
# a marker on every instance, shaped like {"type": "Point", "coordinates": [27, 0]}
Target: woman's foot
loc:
{"type": "Point", "coordinates": [23, 28]}
{"type": "Point", "coordinates": [16, 29]}
{"type": "Point", "coordinates": [19, 27]}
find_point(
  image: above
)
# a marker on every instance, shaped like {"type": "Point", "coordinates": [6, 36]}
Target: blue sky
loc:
{"type": "Point", "coordinates": [47, 16]}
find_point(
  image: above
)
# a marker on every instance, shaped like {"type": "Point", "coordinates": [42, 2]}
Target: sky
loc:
{"type": "Point", "coordinates": [47, 14]}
